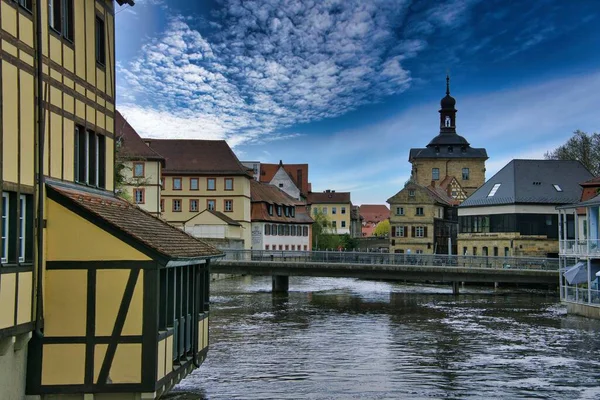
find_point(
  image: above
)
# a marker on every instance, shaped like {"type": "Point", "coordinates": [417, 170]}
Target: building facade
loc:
{"type": "Point", "coordinates": [279, 222]}
{"type": "Point", "coordinates": [200, 175]}
{"type": "Point", "coordinates": [140, 167]}
{"type": "Point", "coordinates": [580, 258]}
{"type": "Point", "coordinates": [82, 272]}
{"type": "Point", "coordinates": [449, 160]}
{"type": "Point", "coordinates": [422, 221]}
{"type": "Point", "coordinates": [336, 206]}
{"type": "Point", "coordinates": [371, 215]}
{"type": "Point", "coordinates": [514, 213]}
{"type": "Point", "coordinates": [291, 178]}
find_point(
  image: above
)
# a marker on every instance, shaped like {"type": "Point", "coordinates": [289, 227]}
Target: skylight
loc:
{"type": "Point", "coordinates": [494, 190]}
{"type": "Point", "coordinates": [558, 188]}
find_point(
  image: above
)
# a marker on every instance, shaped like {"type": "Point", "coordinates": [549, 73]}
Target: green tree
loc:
{"type": "Point", "coordinates": [323, 232]}
{"type": "Point", "coordinates": [382, 228]}
{"type": "Point", "coordinates": [582, 147]}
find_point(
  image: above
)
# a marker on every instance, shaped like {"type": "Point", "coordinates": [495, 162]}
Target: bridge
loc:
{"type": "Point", "coordinates": [386, 266]}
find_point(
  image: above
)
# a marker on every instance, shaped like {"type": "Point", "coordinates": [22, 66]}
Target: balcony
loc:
{"type": "Point", "coordinates": [580, 248]}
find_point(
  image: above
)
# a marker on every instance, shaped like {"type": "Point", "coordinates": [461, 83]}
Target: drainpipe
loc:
{"type": "Point", "coordinates": [40, 172]}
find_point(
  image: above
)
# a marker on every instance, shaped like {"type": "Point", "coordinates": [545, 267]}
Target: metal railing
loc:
{"type": "Point", "coordinates": [576, 294]}
{"type": "Point", "coordinates": [580, 247]}
{"type": "Point", "coordinates": [351, 257]}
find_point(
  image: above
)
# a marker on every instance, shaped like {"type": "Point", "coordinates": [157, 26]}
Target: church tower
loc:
{"type": "Point", "coordinates": [449, 161]}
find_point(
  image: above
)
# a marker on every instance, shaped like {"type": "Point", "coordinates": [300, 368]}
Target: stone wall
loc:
{"type": "Point", "coordinates": [517, 244]}
{"type": "Point", "coordinates": [13, 366]}
{"type": "Point", "coordinates": [584, 310]}
{"type": "Point", "coordinates": [451, 167]}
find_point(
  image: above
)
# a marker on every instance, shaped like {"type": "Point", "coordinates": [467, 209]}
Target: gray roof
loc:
{"type": "Point", "coordinates": [531, 182]}
{"type": "Point", "coordinates": [594, 201]}
{"type": "Point", "coordinates": [430, 152]}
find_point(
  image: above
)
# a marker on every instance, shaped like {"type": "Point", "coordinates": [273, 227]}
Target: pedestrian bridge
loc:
{"type": "Point", "coordinates": [410, 267]}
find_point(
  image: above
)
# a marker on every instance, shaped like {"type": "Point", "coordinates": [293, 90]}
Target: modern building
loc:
{"type": "Point", "coordinates": [335, 205]}
{"type": "Point", "coordinates": [371, 215]}
{"type": "Point", "coordinates": [580, 258]}
{"type": "Point", "coordinates": [291, 178]}
{"type": "Point", "coordinates": [448, 159]}
{"type": "Point", "coordinates": [140, 167]}
{"type": "Point", "coordinates": [86, 278]}
{"type": "Point", "coordinates": [423, 220]}
{"type": "Point", "coordinates": [203, 175]}
{"type": "Point", "coordinates": [591, 189]}
{"type": "Point", "coordinates": [279, 222]}
{"type": "Point", "coordinates": [514, 212]}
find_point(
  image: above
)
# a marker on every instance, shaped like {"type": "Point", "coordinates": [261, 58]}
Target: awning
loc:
{"type": "Point", "coordinates": [578, 273]}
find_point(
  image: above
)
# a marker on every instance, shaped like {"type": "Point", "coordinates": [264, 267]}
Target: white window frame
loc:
{"type": "Point", "coordinates": [135, 165]}
{"type": "Point", "coordinates": [5, 225]}
{"type": "Point", "coordinates": [343, 210]}
{"type": "Point", "coordinates": [419, 231]}
{"type": "Point", "coordinates": [22, 227]}
{"type": "Point", "coordinates": [343, 224]}
{"type": "Point", "coordinates": [135, 196]}
{"type": "Point", "coordinates": [324, 210]}
{"type": "Point", "coordinates": [399, 231]}
{"type": "Point", "coordinates": [193, 201]}
{"type": "Point", "coordinates": [420, 213]}
{"type": "Point", "coordinates": [333, 210]}
{"type": "Point", "coordinates": [399, 210]}
{"type": "Point", "coordinates": [230, 207]}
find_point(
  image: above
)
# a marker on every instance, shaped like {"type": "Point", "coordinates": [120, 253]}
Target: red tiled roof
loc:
{"type": "Point", "coordinates": [207, 157]}
{"type": "Point", "coordinates": [442, 196]}
{"type": "Point", "coordinates": [132, 221]}
{"type": "Point", "coordinates": [297, 172]}
{"type": "Point", "coordinates": [374, 212]}
{"type": "Point", "coordinates": [133, 146]}
{"type": "Point", "coordinates": [329, 197]}
{"type": "Point", "coordinates": [263, 194]}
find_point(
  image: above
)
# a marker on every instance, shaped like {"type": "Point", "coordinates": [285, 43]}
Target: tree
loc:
{"type": "Point", "coordinates": [382, 228]}
{"type": "Point", "coordinates": [582, 147]}
{"type": "Point", "coordinates": [322, 231]}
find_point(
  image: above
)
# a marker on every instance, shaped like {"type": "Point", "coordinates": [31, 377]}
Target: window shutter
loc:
{"type": "Point", "coordinates": [412, 231]}
{"type": "Point", "coordinates": [425, 232]}
{"type": "Point", "coordinates": [405, 231]}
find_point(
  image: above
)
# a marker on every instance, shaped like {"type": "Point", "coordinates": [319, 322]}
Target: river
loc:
{"type": "Point", "coordinates": [350, 339]}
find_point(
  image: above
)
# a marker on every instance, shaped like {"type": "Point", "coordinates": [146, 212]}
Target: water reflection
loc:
{"type": "Point", "coordinates": [344, 338]}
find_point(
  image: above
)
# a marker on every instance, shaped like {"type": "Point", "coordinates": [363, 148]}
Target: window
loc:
{"type": "Point", "coordinates": [90, 158]}
{"type": "Point", "coordinates": [138, 170]}
{"type": "Point", "coordinates": [176, 205]}
{"type": "Point", "coordinates": [194, 184]}
{"type": "Point", "coordinates": [210, 204]}
{"type": "Point", "coordinates": [343, 224]}
{"type": "Point", "coordinates": [315, 211]}
{"type": "Point", "coordinates": [334, 210]}
{"type": "Point", "coordinates": [286, 211]}
{"type": "Point", "coordinates": [465, 174]}
{"type": "Point", "coordinates": [435, 174]}
{"type": "Point", "coordinates": [474, 251]}
{"type": "Point", "coordinates": [287, 246]}
{"type": "Point", "coordinates": [280, 230]}
{"type": "Point", "coordinates": [464, 251]}
{"type": "Point", "coordinates": [286, 230]}
{"type": "Point", "coordinates": [324, 210]}
{"type": "Point", "coordinates": [54, 14]}
{"type": "Point", "coordinates": [399, 231]}
{"type": "Point", "coordinates": [506, 252]}
{"type": "Point", "coordinates": [228, 183]}
{"type": "Point", "coordinates": [495, 252]}
{"type": "Point", "coordinates": [267, 229]}
{"type": "Point", "coordinates": [266, 247]}
{"type": "Point", "coordinates": [305, 231]}
{"type": "Point", "coordinates": [281, 185]}
{"type": "Point", "coordinates": [100, 42]}
{"type": "Point", "coordinates": [411, 193]}
{"type": "Point", "coordinates": [334, 224]}
{"type": "Point", "coordinates": [293, 247]}
{"type": "Point", "coordinates": [5, 205]}
{"type": "Point", "coordinates": [26, 4]}
{"type": "Point", "coordinates": [270, 209]}
{"type": "Point", "coordinates": [557, 188]}
{"type": "Point", "coordinates": [418, 251]}
{"type": "Point", "coordinates": [305, 247]}
{"type": "Point", "coordinates": [419, 231]}
{"type": "Point", "coordinates": [228, 205]}
{"type": "Point", "coordinates": [280, 247]}
{"type": "Point", "coordinates": [293, 211]}
{"type": "Point", "coordinates": [484, 251]}
{"type": "Point", "coordinates": [399, 210]}
{"type": "Point", "coordinates": [60, 16]}
{"type": "Point", "coordinates": [494, 190]}
{"type": "Point", "coordinates": [176, 183]}
{"type": "Point", "coordinates": [138, 195]}
{"type": "Point", "coordinates": [193, 205]}
{"type": "Point", "coordinates": [343, 210]}
{"type": "Point", "coordinates": [279, 211]}
{"type": "Point", "coordinates": [22, 227]}
{"type": "Point", "coordinates": [420, 211]}
{"type": "Point", "coordinates": [211, 184]}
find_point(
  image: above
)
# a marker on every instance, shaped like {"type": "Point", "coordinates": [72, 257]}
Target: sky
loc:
{"type": "Point", "coordinates": [350, 86]}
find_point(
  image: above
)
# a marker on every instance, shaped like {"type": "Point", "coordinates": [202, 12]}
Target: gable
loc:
{"type": "Point", "coordinates": [205, 218]}
{"type": "Point", "coordinates": [421, 196]}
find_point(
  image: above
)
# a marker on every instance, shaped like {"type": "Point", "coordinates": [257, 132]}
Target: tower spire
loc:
{"type": "Point", "coordinates": [447, 84]}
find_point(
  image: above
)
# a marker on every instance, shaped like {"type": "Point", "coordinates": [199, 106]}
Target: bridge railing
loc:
{"type": "Point", "coordinates": [350, 257]}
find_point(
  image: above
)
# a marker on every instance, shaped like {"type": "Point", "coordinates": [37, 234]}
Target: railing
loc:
{"type": "Point", "coordinates": [576, 294]}
{"type": "Point", "coordinates": [350, 257]}
{"type": "Point", "coordinates": [580, 247]}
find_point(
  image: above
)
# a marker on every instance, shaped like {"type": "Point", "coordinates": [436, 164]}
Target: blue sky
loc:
{"type": "Point", "coordinates": [350, 86]}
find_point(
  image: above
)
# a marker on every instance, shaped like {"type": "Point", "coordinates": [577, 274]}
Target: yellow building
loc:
{"type": "Point", "coordinates": [96, 295]}
{"type": "Point", "coordinates": [141, 167]}
{"type": "Point", "coordinates": [200, 175]}
{"type": "Point", "coordinates": [335, 205]}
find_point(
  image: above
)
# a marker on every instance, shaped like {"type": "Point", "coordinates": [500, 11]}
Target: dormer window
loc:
{"type": "Point", "coordinates": [287, 211]}
{"type": "Point", "coordinates": [279, 211]}
{"type": "Point", "coordinates": [293, 211]}
{"type": "Point", "coordinates": [270, 209]}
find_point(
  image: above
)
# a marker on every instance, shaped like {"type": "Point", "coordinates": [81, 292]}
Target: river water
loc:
{"type": "Point", "coordinates": [351, 339]}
